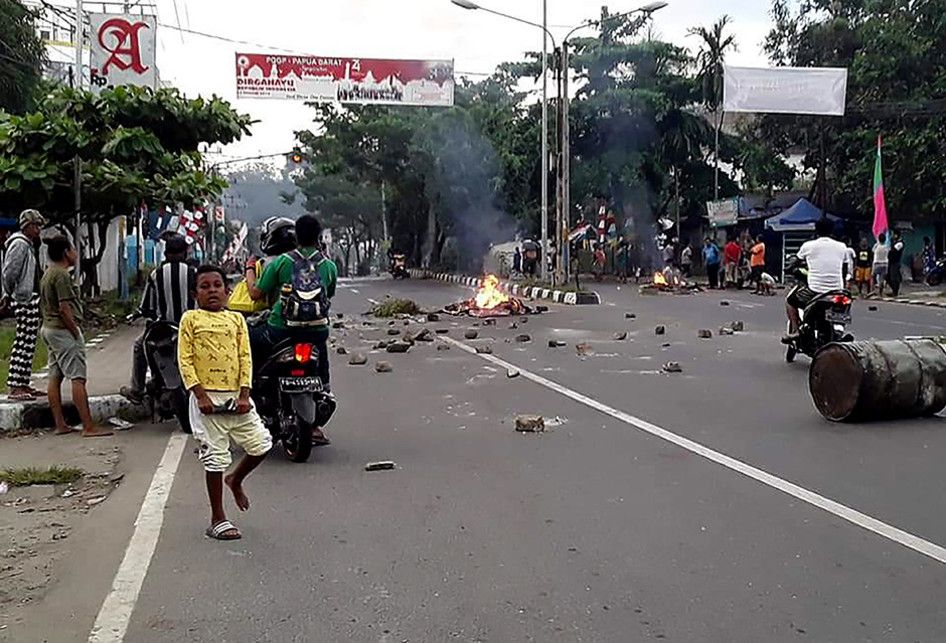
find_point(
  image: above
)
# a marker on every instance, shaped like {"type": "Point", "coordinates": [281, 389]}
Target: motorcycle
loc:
{"type": "Point", "coordinates": [823, 321]}
{"type": "Point", "coordinates": [164, 389]}
{"type": "Point", "coordinates": [399, 267]}
{"type": "Point", "coordinates": [937, 273]}
{"type": "Point", "coordinates": [290, 398]}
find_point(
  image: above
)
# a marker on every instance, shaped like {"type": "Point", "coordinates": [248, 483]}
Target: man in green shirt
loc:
{"type": "Point", "coordinates": [278, 273]}
{"type": "Point", "coordinates": [62, 314]}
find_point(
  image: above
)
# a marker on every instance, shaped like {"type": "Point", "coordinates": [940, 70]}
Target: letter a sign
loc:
{"type": "Point", "coordinates": [123, 47]}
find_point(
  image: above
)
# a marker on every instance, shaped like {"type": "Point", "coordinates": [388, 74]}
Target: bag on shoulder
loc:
{"type": "Point", "coordinates": [240, 300]}
{"type": "Point", "coordinates": [305, 300]}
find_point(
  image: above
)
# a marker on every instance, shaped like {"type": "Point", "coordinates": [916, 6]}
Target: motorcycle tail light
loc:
{"type": "Point", "coordinates": [842, 300]}
{"type": "Point", "coordinates": [303, 353]}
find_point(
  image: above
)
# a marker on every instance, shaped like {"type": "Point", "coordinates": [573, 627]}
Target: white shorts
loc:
{"type": "Point", "coordinates": [215, 431]}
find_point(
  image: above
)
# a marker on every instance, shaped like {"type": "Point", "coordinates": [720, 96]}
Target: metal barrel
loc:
{"type": "Point", "coordinates": [862, 381]}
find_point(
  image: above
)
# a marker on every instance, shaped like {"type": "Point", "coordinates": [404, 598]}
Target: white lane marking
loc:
{"type": "Point", "coordinates": [833, 507]}
{"type": "Point", "coordinates": [115, 614]}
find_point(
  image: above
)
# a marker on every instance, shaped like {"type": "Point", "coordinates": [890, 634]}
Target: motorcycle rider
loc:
{"type": "Point", "coordinates": [826, 259]}
{"type": "Point", "coordinates": [168, 294]}
{"type": "Point", "coordinates": [278, 273]}
{"type": "Point", "coordinates": [277, 237]}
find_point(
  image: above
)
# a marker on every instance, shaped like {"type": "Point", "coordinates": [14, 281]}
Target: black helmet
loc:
{"type": "Point", "coordinates": [277, 235]}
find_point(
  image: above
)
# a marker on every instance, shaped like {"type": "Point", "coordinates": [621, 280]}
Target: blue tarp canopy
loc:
{"type": "Point", "coordinates": [800, 217]}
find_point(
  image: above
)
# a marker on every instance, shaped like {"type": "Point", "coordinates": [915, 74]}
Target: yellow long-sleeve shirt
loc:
{"type": "Point", "coordinates": [213, 349]}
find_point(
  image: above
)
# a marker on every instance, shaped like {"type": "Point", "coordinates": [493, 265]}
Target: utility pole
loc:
{"type": "Point", "coordinates": [565, 224]}
{"type": "Point", "coordinates": [77, 162]}
{"type": "Point", "coordinates": [384, 218]}
{"type": "Point", "coordinates": [545, 146]}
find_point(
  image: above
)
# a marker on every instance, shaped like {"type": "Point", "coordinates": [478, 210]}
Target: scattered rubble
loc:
{"type": "Point", "coordinates": [489, 322]}
{"type": "Point", "coordinates": [665, 345]}
{"type": "Point", "coordinates": [485, 349]}
{"type": "Point", "coordinates": [872, 308]}
{"type": "Point", "coordinates": [726, 330]}
{"type": "Point", "coordinates": [672, 367]}
{"type": "Point", "coordinates": [704, 333]}
{"type": "Point", "coordinates": [358, 359]}
{"type": "Point", "coordinates": [630, 316]}
{"type": "Point", "coordinates": [443, 347]}
{"type": "Point", "coordinates": [383, 367]}
{"type": "Point", "coordinates": [384, 465]}
{"type": "Point", "coordinates": [433, 317]}
{"type": "Point", "coordinates": [512, 373]}
{"type": "Point", "coordinates": [724, 303]}
{"type": "Point", "coordinates": [620, 337]}
{"type": "Point", "coordinates": [395, 307]}
{"type": "Point", "coordinates": [523, 338]}
{"type": "Point", "coordinates": [341, 350]}
{"type": "Point", "coordinates": [423, 335]}
{"type": "Point", "coordinates": [584, 348]}
{"type": "Point", "coordinates": [471, 334]}
{"type": "Point", "coordinates": [380, 346]}
{"type": "Point", "coordinates": [530, 423]}
{"type": "Point", "coordinates": [442, 331]}
{"type": "Point", "coordinates": [738, 326]}
{"type": "Point", "coordinates": [660, 330]}
{"type": "Point", "coordinates": [513, 326]}
{"type": "Point", "coordinates": [338, 325]}
{"type": "Point", "coordinates": [556, 343]}
{"type": "Point", "coordinates": [393, 331]}
{"type": "Point", "coordinates": [523, 320]}
{"type": "Point", "coordinates": [398, 347]}
{"type": "Point", "coordinates": [541, 309]}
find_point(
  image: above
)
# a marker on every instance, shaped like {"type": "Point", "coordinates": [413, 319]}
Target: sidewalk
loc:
{"type": "Point", "coordinates": [109, 356]}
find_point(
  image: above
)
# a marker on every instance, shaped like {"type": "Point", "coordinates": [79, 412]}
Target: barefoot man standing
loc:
{"type": "Point", "coordinates": [214, 357]}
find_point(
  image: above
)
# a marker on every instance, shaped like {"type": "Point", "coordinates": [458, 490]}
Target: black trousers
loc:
{"type": "Point", "coordinates": [895, 277]}
{"type": "Point", "coordinates": [712, 271]}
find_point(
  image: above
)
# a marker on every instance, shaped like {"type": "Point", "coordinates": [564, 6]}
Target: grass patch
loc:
{"type": "Point", "coordinates": [40, 359]}
{"type": "Point", "coordinates": [26, 476]}
{"type": "Point", "coordinates": [395, 307]}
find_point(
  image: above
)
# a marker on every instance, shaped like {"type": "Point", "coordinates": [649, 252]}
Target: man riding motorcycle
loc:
{"type": "Point", "coordinates": [826, 259]}
{"type": "Point", "coordinates": [277, 279]}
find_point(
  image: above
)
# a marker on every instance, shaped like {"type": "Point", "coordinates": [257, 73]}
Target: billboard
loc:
{"type": "Point", "coordinates": [819, 91]}
{"type": "Point", "coordinates": [346, 80]}
{"type": "Point", "coordinates": [724, 212]}
{"type": "Point", "coordinates": [122, 50]}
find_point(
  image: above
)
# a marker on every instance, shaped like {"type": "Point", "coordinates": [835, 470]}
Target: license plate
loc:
{"type": "Point", "coordinates": [837, 318]}
{"type": "Point", "coordinates": [300, 384]}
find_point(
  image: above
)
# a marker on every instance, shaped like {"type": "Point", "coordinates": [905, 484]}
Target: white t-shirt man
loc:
{"type": "Point", "coordinates": [826, 259]}
{"type": "Point", "coordinates": [881, 252]}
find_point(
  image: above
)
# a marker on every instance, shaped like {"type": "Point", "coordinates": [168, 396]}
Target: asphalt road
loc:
{"type": "Point", "coordinates": [594, 531]}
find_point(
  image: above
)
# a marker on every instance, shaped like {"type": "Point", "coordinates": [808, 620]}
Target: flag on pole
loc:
{"type": "Point", "coordinates": [880, 204]}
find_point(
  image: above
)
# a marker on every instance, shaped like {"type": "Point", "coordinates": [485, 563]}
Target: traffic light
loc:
{"type": "Point", "coordinates": [296, 157]}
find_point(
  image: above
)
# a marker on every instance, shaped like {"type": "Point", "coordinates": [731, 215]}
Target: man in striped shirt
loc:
{"type": "Point", "coordinates": [168, 294]}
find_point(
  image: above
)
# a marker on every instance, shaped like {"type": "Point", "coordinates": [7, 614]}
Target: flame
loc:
{"type": "Point", "coordinates": [489, 296]}
{"type": "Point", "coordinates": [659, 279]}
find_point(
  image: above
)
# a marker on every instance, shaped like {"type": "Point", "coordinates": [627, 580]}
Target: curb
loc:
{"type": "Point", "coordinates": [24, 416]}
{"type": "Point", "coordinates": [510, 288]}
{"type": "Point", "coordinates": [912, 302]}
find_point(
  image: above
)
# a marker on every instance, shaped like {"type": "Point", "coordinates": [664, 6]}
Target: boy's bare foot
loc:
{"type": "Point", "coordinates": [96, 432]}
{"type": "Point", "coordinates": [239, 497]}
{"type": "Point", "coordinates": [65, 430]}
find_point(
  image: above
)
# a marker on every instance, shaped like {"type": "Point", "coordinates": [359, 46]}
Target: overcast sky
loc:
{"type": "Point", "coordinates": [477, 41]}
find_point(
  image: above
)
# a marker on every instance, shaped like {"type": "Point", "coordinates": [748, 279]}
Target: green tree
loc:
{"type": "Point", "coordinates": [22, 55]}
{"type": "Point", "coordinates": [895, 53]}
{"type": "Point", "coordinates": [135, 145]}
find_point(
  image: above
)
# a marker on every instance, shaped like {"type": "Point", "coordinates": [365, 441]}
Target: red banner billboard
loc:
{"type": "Point", "coordinates": [346, 80]}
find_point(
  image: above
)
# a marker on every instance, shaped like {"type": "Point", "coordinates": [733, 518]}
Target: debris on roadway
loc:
{"type": "Point", "coordinates": [620, 337]}
{"type": "Point", "coordinates": [488, 301]}
{"type": "Point", "coordinates": [584, 348]}
{"type": "Point", "coordinates": [530, 423]}
{"type": "Point", "coordinates": [383, 465]}
{"type": "Point", "coordinates": [395, 307]}
{"type": "Point", "coordinates": [556, 343]}
{"type": "Point", "coordinates": [738, 326]}
{"type": "Point", "coordinates": [358, 359]}
{"type": "Point", "coordinates": [384, 367]}
{"type": "Point", "coordinates": [485, 349]}
{"type": "Point", "coordinates": [726, 330]}
{"type": "Point", "coordinates": [398, 347]}
{"type": "Point", "coordinates": [704, 333]}
{"type": "Point", "coordinates": [523, 338]}
{"type": "Point", "coordinates": [471, 334]}
{"type": "Point", "coordinates": [660, 330]}
{"type": "Point", "coordinates": [672, 367]}
{"type": "Point", "coordinates": [512, 373]}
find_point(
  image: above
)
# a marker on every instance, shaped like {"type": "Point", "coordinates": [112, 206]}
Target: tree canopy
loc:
{"type": "Point", "coordinates": [21, 56]}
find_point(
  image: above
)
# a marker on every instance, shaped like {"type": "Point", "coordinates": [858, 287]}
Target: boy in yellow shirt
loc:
{"type": "Point", "coordinates": [214, 358]}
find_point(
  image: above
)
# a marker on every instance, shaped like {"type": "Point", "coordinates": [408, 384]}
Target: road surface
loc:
{"type": "Point", "coordinates": [710, 505]}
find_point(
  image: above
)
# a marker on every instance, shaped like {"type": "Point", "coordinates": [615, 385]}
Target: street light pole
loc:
{"type": "Point", "coordinates": [77, 162]}
{"type": "Point", "coordinates": [470, 5]}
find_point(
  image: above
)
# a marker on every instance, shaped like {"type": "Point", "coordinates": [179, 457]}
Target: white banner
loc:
{"type": "Point", "coordinates": [723, 213]}
{"type": "Point", "coordinates": [122, 50]}
{"type": "Point", "coordinates": [785, 90]}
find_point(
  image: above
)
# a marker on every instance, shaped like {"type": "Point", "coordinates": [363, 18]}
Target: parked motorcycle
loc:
{"type": "Point", "coordinates": [290, 398]}
{"type": "Point", "coordinates": [399, 267]}
{"type": "Point", "coordinates": [164, 388]}
{"type": "Point", "coordinates": [937, 273]}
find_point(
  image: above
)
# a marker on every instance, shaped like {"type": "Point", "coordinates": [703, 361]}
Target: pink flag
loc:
{"type": "Point", "coordinates": [880, 204]}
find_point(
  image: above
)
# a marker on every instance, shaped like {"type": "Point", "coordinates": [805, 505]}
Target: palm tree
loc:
{"type": "Point", "coordinates": [710, 60]}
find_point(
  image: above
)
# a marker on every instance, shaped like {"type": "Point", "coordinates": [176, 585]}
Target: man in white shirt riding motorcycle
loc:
{"type": "Point", "coordinates": [826, 259]}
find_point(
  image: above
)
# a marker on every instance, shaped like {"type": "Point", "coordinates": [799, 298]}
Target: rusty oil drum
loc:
{"type": "Point", "coordinates": [862, 381]}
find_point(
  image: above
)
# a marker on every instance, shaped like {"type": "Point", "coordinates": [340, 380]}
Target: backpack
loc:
{"type": "Point", "coordinates": [305, 299]}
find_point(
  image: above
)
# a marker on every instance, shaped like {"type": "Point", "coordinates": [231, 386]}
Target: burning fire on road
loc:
{"type": "Point", "coordinates": [489, 301]}
{"type": "Point", "coordinates": [670, 280]}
